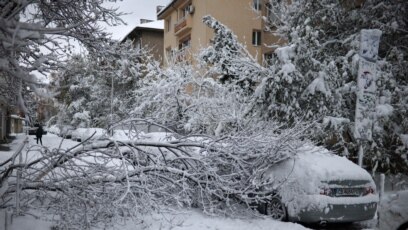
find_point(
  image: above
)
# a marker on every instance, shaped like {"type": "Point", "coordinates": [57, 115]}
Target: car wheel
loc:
{"type": "Point", "coordinates": [276, 209]}
{"type": "Point", "coordinates": [403, 226]}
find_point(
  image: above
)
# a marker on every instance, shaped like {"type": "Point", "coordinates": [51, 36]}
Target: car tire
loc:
{"type": "Point", "coordinates": [276, 209]}
{"type": "Point", "coordinates": [403, 226]}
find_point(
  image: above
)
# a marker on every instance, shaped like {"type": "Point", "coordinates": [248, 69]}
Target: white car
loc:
{"type": "Point", "coordinates": [54, 129]}
{"type": "Point", "coordinates": [82, 134]}
{"type": "Point", "coordinates": [66, 131]}
{"type": "Point", "coordinates": [393, 211]}
{"type": "Point", "coordinates": [317, 186]}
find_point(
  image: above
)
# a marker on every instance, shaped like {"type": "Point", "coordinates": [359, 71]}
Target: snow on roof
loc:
{"type": "Point", "coordinates": [156, 25]}
{"type": "Point", "coordinates": [165, 8]}
{"type": "Point", "coordinates": [152, 25]}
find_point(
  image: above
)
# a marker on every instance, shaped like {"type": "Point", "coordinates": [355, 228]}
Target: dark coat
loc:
{"type": "Point", "coordinates": [39, 131]}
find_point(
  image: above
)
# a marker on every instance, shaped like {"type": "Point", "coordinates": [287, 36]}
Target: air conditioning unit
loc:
{"type": "Point", "coordinates": [191, 9]}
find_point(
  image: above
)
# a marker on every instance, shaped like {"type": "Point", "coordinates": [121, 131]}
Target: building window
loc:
{"type": "Point", "coordinates": [169, 53]}
{"type": "Point", "coordinates": [185, 42]}
{"type": "Point", "coordinates": [257, 5]}
{"type": "Point", "coordinates": [185, 11]}
{"type": "Point", "coordinates": [168, 24]}
{"type": "Point", "coordinates": [268, 58]}
{"type": "Point", "coordinates": [138, 43]}
{"type": "Point", "coordinates": [256, 38]}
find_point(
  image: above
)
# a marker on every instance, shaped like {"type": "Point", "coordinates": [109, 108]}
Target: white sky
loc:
{"type": "Point", "coordinates": [137, 9]}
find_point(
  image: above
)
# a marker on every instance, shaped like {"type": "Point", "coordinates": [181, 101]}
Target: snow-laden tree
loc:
{"type": "Point", "coordinates": [166, 97]}
{"type": "Point", "coordinates": [85, 91]}
{"type": "Point", "coordinates": [35, 35]}
{"type": "Point", "coordinates": [72, 92]}
{"type": "Point", "coordinates": [228, 59]}
{"type": "Point", "coordinates": [191, 101]}
{"type": "Point", "coordinates": [314, 76]}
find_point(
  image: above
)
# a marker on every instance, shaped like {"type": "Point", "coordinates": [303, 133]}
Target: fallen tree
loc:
{"type": "Point", "coordinates": [85, 186]}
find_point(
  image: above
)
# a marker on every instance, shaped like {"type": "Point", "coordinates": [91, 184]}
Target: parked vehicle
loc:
{"type": "Point", "coordinates": [33, 130]}
{"type": "Point", "coordinates": [317, 186]}
{"type": "Point", "coordinates": [82, 134]}
{"type": "Point", "coordinates": [393, 211]}
{"type": "Point", "coordinates": [54, 129]}
{"type": "Point", "coordinates": [66, 131]}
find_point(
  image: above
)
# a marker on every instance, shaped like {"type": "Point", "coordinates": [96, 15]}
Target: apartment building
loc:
{"type": "Point", "coordinates": [148, 34]}
{"type": "Point", "coordinates": [185, 33]}
{"type": "Point", "coordinates": [10, 120]}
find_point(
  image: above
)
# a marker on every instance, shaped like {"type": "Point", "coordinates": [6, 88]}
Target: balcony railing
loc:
{"type": "Point", "coordinates": [183, 24]}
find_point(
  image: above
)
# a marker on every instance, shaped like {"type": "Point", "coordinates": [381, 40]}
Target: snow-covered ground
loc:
{"type": "Point", "coordinates": [175, 220]}
{"type": "Point", "coordinates": [183, 220]}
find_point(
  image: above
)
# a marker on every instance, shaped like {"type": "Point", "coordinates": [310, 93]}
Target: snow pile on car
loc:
{"type": "Point", "coordinates": [301, 178]}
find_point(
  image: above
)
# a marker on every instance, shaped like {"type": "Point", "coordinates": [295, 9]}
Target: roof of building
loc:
{"type": "Point", "coordinates": [159, 14]}
{"type": "Point", "coordinates": [152, 25]}
{"type": "Point", "coordinates": [155, 25]}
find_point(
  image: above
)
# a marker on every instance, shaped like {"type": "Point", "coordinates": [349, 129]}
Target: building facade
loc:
{"type": "Point", "coordinates": [10, 120]}
{"type": "Point", "coordinates": [149, 34]}
{"type": "Point", "coordinates": [186, 34]}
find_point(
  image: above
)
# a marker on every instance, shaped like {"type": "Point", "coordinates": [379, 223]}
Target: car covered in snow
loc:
{"type": "Point", "coordinates": [82, 134]}
{"type": "Point", "coordinates": [66, 131]}
{"type": "Point", "coordinates": [122, 137]}
{"type": "Point", "coordinates": [317, 186]}
{"type": "Point", "coordinates": [54, 129]}
{"type": "Point", "coordinates": [393, 211]}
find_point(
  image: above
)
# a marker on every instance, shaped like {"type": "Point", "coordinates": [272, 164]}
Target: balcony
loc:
{"type": "Point", "coordinates": [183, 25]}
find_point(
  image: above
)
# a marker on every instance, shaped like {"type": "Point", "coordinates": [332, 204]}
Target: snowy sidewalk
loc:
{"type": "Point", "coordinates": [7, 150]}
{"type": "Point", "coordinates": [50, 141]}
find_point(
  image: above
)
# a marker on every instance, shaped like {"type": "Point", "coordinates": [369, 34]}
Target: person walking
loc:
{"type": "Point", "coordinates": [39, 134]}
